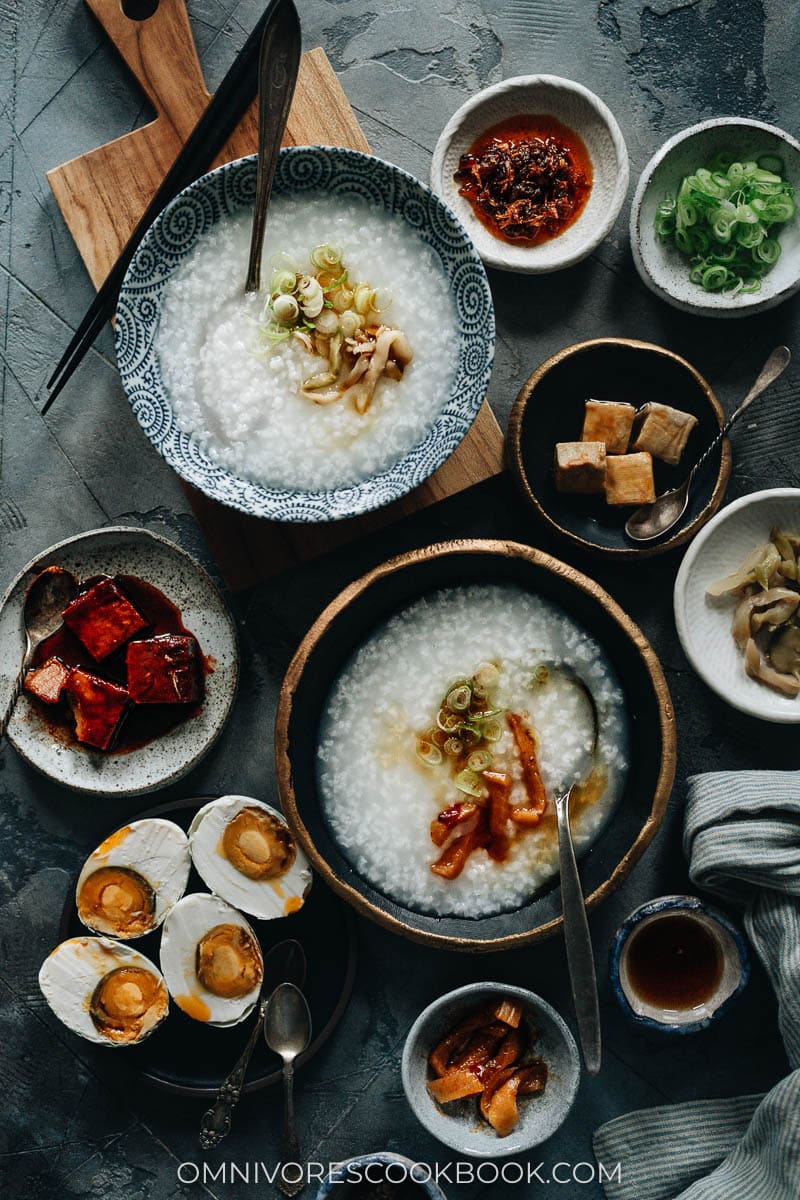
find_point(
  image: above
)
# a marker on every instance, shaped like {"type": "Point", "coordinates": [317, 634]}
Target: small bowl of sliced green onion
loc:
{"type": "Point", "coordinates": [714, 223]}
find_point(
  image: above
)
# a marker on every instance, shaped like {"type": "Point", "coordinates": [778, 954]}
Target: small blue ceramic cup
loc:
{"type": "Point", "coordinates": [393, 1168]}
{"type": "Point", "coordinates": [733, 975]}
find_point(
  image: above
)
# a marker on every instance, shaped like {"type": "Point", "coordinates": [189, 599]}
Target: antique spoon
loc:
{"type": "Point", "coordinates": [654, 520]}
{"type": "Point", "coordinates": [278, 64]}
{"type": "Point", "coordinates": [287, 1030]}
{"type": "Point", "coordinates": [45, 600]}
{"type": "Point", "coordinates": [285, 963]}
{"type": "Point", "coordinates": [577, 939]}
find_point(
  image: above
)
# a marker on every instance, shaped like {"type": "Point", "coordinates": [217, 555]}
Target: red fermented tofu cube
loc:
{"type": "Point", "coordinates": [98, 706]}
{"type": "Point", "coordinates": [103, 618]}
{"type": "Point", "coordinates": [47, 681]}
{"type": "Point", "coordinates": [165, 670]}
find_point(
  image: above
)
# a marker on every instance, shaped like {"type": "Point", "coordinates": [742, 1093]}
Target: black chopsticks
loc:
{"type": "Point", "coordinates": [209, 135]}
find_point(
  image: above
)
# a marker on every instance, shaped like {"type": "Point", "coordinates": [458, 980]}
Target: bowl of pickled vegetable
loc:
{"type": "Point", "coordinates": [714, 222]}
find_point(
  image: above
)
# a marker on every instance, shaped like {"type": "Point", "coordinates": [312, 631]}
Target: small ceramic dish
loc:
{"type": "Point", "coordinates": [459, 1125]}
{"type": "Point", "coordinates": [704, 624]}
{"type": "Point", "coordinates": [304, 171]}
{"type": "Point", "coordinates": [124, 551]}
{"type": "Point", "coordinates": [733, 976]}
{"type": "Point", "coordinates": [585, 114]}
{"type": "Point", "coordinates": [661, 266]}
{"type": "Point", "coordinates": [550, 409]}
{"type": "Point", "coordinates": [381, 1168]}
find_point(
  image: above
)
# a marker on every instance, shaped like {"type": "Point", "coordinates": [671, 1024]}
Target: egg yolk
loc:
{"type": "Point", "coordinates": [228, 962]}
{"type": "Point", "coordinates": [128, 1002]}
{"type": "Point", "coordinates": [258, 845]}
{"type": "Point", "coordinates": [117, 900]}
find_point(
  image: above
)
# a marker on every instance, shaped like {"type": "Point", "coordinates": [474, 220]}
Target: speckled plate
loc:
{"type": "Point", "coordinates": [460, 1125]}
{"type": "Point", "coordinates": [704, 625]}
{"type": "Point", "coordinates": [663, 268]}
{"type": "Point", "coordinates": [125, 550]}
{"type": "Point", "coordinates": [573, 105]}
{"type": "Point", "coordinates": [304, 170]}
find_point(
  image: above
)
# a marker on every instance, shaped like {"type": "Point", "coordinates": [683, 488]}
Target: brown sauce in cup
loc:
{"type": "Point", "coordinates": [674, 962]}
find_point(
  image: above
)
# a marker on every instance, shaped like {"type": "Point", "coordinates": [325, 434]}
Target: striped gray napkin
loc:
{"type": "Point", "coordinates": [742, 840]}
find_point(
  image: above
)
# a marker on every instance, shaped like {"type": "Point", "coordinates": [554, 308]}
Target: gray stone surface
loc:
{"type": "Point", "coordinates": [71, 1125]}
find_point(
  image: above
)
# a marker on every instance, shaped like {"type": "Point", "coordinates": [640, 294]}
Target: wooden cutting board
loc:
{"type": "Point", "coordinates": [103, 194]}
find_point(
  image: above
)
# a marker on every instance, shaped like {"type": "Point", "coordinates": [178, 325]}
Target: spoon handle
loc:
{"type": "Point", "coordinates": [15, 690]}
{"type": "Point", "coordinates": [216, 1122]}
{"type": "Point", "coordinates": [290, 1147]}
{"type": "Point", "coordinates": [775, 365]}
{"type": "Point", "coordinates": [278, 65]}
{"type": "Point", "coordinates": [578, 942]}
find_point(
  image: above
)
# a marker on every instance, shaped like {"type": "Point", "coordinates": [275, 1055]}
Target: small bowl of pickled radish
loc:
{"type": "Point", "coordinates": [714, 222]}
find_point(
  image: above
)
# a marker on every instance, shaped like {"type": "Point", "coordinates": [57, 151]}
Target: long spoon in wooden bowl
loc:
{"type": "Point", "coordinates": [46, 598]}
{"type": "Point", "coordinates": [652, 521]}
{"type": "Point", "coordinates": [577, 939]}
{"type": "Point", "coordinates": [278, 64]}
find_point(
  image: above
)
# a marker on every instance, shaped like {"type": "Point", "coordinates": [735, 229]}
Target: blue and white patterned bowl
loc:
{"type": "Point", "coordinates": [734, 976]}
{"type": "Point", "coordinates": [230, 189]}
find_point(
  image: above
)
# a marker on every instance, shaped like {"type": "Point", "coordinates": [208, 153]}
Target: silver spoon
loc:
{"type": "Point", "coordinates": [278, 64]}
{"type": "Point", "coordinates": [287, 1030]}
{"type": "Point", "coordinates": [45, 600]}
{"type": "Point", "coordinates": [654, 520]}
{"type": "Point", "coordinates": [577, 939]}
{"type": "Point", "coordinates": [285, 963]}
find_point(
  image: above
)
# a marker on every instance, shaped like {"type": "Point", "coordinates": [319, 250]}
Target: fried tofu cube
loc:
{"type": "Point", "coordinates": [629, 479]}
{"type": "Point", "coordinates": [609, 422]}
{"type": "Point", "coordinates": [103, 618]}
{"type": "Point", "coordinates": [580, 467]}
{"type": "Point", "coordinates": [47, 681]}
{"type": "Point", "coordinates": [663, 431]}
{"type": "Point", "coordinates": [99, 708]}
{"type": "Point", "coordinates": [165, 670]}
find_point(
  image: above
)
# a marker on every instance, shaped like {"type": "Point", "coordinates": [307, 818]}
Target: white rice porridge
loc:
{"type": "Point", "coordinates": [238, 394]}
{"type": "Point", "coordinates": [378, 797]}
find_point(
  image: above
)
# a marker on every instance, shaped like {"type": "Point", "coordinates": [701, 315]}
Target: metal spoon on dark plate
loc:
{"type": "Point", "coordinates": [287, 1031]}
{"type": "Point", "coordinates": [577, 939]}
{"type": "Point", "coordinates": [284, 963]}
{"type": "Point", "coordinates": [46, 598]}
{"type": "Point", "coordinates": [652, 521]}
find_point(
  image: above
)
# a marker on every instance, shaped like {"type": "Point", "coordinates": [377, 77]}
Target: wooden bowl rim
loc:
{"type": "Point", "coordinates": [514, 457]}
{"type": "Point", "coordinates": [466, 546]}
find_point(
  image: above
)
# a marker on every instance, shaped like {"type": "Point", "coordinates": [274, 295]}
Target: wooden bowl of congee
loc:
{"type": "Point", "coordinates": [349, 378]}
{"type": "Point", "coordinates": [424, 722]}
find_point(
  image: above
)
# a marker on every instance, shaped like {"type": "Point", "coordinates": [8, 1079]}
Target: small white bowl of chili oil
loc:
{"type": "Point", "coordinates": [677, 964]}
{"type": "Point", "coordinates": [536, 169]}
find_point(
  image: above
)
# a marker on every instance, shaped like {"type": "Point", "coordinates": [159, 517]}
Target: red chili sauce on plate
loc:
{"type": "Point", "coordinates": [527, 178]}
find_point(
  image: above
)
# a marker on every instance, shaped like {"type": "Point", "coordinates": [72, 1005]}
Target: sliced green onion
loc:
{"type": "Point", "coordinates": [492, 730]}
{"type": "Point", "coordinates": [428, 751]}
{"type": "Point", "coordinates": [453, 747]}
{"type": "Point", "coordinates": [469, 782]}
{"type": "Point", "coordinates": [447, 721]}
{"type": "Point", "coordinates": [479, 760]}
{"type": "Point", "coordinates": [458, 698]}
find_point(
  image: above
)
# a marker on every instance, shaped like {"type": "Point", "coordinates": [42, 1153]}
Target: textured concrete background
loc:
{"type": "Point", "coordinates": [71, 1126]}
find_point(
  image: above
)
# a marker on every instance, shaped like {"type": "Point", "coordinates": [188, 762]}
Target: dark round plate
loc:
{"type": "Point", "coordinates": [550, 407]}
{"type": "Point", "coordinates": [347, 622]}
{"type": "Point", "coordinates": [192, 1059]}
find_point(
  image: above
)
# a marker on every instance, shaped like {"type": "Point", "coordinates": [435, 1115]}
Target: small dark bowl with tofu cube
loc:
{"type": "Point", "coordinates": [607, 425]}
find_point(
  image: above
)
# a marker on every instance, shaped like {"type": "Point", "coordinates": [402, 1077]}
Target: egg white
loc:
{"type": "Point", "coordinates": [190, 919]}
{"type": "Point", "coordinates": [264, 898]}
{"type": "Point", "coordinates": [156, 849]}
{"type": "Point", "coordinates": [70, 974]}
